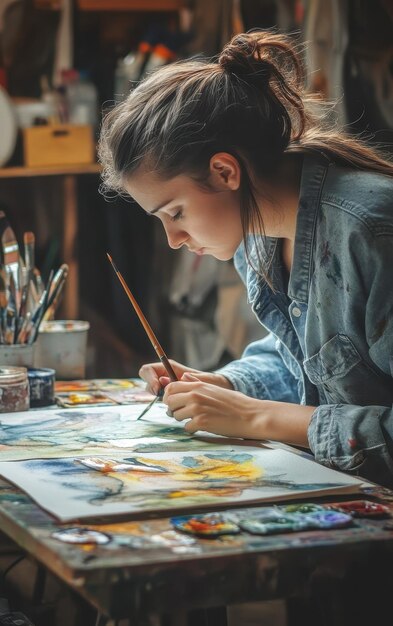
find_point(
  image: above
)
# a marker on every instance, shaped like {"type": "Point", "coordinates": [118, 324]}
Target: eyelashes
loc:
{"type": "Point", "coordinates": [173, 218]}
{"type": "Point", "coordinates": [177, 216]}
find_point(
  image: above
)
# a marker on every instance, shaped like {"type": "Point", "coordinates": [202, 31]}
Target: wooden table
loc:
{"type": "Point", "coordinates": [149, 573]}
{"type": "Point", "coordinates": [68, 174]}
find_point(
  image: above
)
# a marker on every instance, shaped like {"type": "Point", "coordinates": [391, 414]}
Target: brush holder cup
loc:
{"type": "Point", "coordinates": [18, 355]}
{"type": "Point", "coordinates": [61, 345]}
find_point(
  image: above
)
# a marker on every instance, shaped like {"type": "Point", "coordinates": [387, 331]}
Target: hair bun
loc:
{"type": "Point", "coordinates": [243, 56]}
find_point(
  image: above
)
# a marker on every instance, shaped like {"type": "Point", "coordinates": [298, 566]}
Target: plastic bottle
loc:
{"type": "Point", "coordinates": [128, 72]}
{"type": "Point", "coordinates": [82, 100]}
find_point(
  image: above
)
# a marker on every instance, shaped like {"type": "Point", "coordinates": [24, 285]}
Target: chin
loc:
{"type": "Point", "coordinates": [223, 256]}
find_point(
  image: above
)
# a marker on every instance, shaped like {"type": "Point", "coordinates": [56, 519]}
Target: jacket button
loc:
{"type": "Point", "coordinates": [296, 311]}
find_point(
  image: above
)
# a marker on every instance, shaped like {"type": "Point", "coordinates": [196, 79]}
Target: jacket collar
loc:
{"type": "Point", "coordinates": [314, 172]}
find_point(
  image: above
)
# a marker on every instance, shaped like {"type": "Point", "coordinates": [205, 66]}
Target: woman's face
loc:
{"type": "Point", "coordinates": [207, 222]}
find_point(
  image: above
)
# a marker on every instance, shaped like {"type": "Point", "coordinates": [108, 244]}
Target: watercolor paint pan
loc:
{"type": "Point", "coordinates": [81, 399]}
{"type": "Point", "coordinates": [208, 526]}
{"type": "Point", "coordinates": [296, 522]}
{"type": "Point", "coordinates": [362, 508]}
{"type": "Point", "coordinates": [81, 536]}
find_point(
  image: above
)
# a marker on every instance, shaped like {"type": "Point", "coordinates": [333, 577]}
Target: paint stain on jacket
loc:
{"type": "Point", "coordinates": [325, 256]}
{"type": "Point", "coordinates": [379, 329]}
{"type": "Point", "coordinates": [335, 273]}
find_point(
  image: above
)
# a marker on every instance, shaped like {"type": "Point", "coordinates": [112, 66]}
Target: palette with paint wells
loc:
{"type": "Point", "coordinates": [101, 392]}
{"type": "Point", "coordinates": [280, 519]}
{"type": "Point", "coordinates": [271, 520]}
{"type": "Point", "coordinates": [99, 384]}
{"type": "Point", "coordinates": [210, 525]}
{"type": "Point", "coordinates": [83, 398]}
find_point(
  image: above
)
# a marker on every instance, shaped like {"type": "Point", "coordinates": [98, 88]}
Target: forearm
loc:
{"type": "Point", "coordinates": [261, 373]}
{"type": "Point", "coordinates": [214, 379]}
{"type": "Point", "coordinates": [280, 421]}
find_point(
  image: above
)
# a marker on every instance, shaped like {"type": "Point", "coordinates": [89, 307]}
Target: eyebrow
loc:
{"type": "Point", "coordinates": [158, 208]}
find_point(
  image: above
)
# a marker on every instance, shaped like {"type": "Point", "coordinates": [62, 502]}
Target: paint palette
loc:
{"type": "Point", "coordinates": [96, 384]}
{"type": "Point", "coordinates": [266, 521]}
{"type": "Point", "coordinates": [303, 507]}
{"type": "Point", "coordinates": [129, 396]}
{"type": "Point", "coordinates": [101, 392]}
{"type": "Point", "coordinates": [62, 386]}
{"type": "Point", "coordinates": [78, 535]}
{"type": "Point", "coordinates": [210, 525]}
{"type": "Point", "coordinates": [274, 525]}
{"type": "Point", "coordinates": [112, 384]}
{"type": "Point", "coordinates": [362, 508]}
{"type": "Point", "coordinates": [78, 398]}
{"type": "Point", "coordinates": [293, 518]}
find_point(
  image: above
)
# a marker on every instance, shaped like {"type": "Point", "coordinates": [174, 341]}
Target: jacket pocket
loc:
{"type": "Point", "coordinates": [344, 376]}
{"type": "Point", "coordinates": [334, 360]}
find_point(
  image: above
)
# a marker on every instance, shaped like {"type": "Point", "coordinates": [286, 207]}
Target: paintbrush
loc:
{"type": "Point", "coordinates": [3, 223]}
{"type": "Point", "coordinates": [148, 407]}
{"type": "Point", "coordinates": [153, 339]}
{"type": "Point", "coordinates": [3, 304]}
{"type": "Point", "coordinates": [38, 314]}
{"type": "Point", "coordinates": [55, 291]}
{"type": "Point", "coordinates": [29, 246]}
{"type": "Point", "coordinates": [12, 261]}
{"type": "Point", "coordinates": [29, 256]}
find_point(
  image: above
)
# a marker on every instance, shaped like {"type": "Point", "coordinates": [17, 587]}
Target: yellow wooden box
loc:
{"type": "Point", "coordinates": [58, 144]}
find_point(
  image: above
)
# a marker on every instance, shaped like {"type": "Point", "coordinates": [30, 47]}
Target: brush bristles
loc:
{"type": "Point", "coordinates": [28, 238]}
{"type": "Point", "coordinates": [8, 237]}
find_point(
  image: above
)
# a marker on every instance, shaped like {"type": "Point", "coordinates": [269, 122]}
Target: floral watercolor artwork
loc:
{"type": "Point", "coordinates": [53, 433]}
{"type": "Point", "coordinates": [97, 487]}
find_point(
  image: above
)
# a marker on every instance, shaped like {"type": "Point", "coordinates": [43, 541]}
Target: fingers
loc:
{"type": "Point", "coordinates": [175, 394]}
{"type": "Point", "coordinates": [192, 427]}
{"type": "Point", "coordinates": [181, 414]}
{"type": "Point", "coordinates": [183, 401]}
{"type": "Point", "coordinates": [176, 405]}
{"type": "Point", "coordinates": [188, 376]}
{"type": "Point", "coordinates": [151, 374]}
{"type": "Point", "coordinates": [155, 374]}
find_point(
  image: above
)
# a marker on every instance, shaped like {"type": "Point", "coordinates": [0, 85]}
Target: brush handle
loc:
{"type": "Point", "coordinates": [168, 367]}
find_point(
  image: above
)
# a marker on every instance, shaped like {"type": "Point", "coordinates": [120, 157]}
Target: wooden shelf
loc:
{"type": "Point", "coordinates": [130, 5]}
{"type": "Point", "coordinates": [55, 170]}
{"type": "Point", "coordinates": [115, 5]}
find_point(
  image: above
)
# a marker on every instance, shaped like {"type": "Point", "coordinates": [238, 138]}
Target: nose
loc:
{"type": "Point", "coordinates": [176, 238]}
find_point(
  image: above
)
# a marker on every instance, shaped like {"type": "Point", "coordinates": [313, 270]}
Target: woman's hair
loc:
{"type": "Point", "coordinates": [251, 103]}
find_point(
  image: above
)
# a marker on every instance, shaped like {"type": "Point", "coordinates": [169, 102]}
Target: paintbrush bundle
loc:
{"type": "Point", "coordinates": [24, 298]}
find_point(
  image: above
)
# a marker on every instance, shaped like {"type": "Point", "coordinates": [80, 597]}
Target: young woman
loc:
{"type": "Point", "coordinates": [232, 158]}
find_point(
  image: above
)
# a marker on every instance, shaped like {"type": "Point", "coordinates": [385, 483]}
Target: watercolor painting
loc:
{"type": "Point", "coordinates": [97, 487]}
{"type": "Point", "coordinates": [100, 391]}
{"type": "Point", "coordinates": [99, 384]}
{"type": "Point", "coordinates": [52, 433]}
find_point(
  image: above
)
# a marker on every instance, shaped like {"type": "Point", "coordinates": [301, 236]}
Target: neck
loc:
{"type": "Point", "coordinates": [278, 200]}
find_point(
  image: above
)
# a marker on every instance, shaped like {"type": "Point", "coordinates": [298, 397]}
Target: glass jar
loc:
{"type": "Point", "coordinates": [14, 389]}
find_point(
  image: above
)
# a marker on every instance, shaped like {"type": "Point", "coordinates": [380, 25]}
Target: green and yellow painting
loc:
{"type": "Point", "coordinates": [97, 487]}
{"type": "Point", "coordinates": [54, 433]}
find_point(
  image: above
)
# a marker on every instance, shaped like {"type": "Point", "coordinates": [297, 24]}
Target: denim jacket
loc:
{"type": "Point", "coordinates": [330, 342]}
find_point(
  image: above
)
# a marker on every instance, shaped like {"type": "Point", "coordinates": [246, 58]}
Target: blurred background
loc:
{"type": "Point", "coordinates": [63, 62]}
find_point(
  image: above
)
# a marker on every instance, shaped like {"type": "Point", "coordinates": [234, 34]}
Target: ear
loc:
{"type": "Point", "coordinates": [225, 173]}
